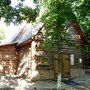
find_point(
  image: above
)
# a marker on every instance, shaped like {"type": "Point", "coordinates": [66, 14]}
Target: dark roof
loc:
{"type": "Point", "coordinates": [19, 34]}
{"type": "Point", "coordinates": [25, 33]}
{"type": "Point", "coordinates": [30, 32]}
{"type": "Point", "coordinates": [79, 30]}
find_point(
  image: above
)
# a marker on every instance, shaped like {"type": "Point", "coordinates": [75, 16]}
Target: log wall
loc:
{"type": "Point", "coordinates": [8, 59]}
{"type": "Point", "coordinates": [30, 57]}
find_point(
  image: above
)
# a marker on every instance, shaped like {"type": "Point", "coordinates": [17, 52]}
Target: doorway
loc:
{"type": "Point", "coordinates": [65, 66]}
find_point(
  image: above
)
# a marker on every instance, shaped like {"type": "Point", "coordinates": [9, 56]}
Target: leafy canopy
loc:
{"type": "Point", "coordinates": [58, 15]}
{"type": "Point", "coordinates": [83, 14]}
{"type": "Point", "coordinates": [18, 13]}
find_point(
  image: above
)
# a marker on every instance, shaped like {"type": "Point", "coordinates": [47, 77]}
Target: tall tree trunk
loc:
{"type": "Point", "coordinates": [59, 43]}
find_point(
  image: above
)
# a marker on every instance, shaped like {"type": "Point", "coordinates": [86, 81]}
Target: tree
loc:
{"type": "Point", "coordinates": [83, 15]}
{"type": "Point", "coordinates": [17, 14]}
{"type": "Point", "coordinates": [65, 11]}
{"type": "Point", "coordinates": [57, 17]}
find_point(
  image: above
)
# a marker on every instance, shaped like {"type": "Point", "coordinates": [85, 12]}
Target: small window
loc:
{"type": "Point", "coordinates": [72, 59]}
{"type": "Point", "coordinates": [55, 56]}
{"type": "Point", "coordinates": [46, 59]}
{"type": "Point", "coordinates": [45, 62]}
{"type": "Point", "coordinates": [77, 36]}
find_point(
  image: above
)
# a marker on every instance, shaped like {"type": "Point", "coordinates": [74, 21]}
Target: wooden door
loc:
{"type": "Point", "coordinates": [65, 66]}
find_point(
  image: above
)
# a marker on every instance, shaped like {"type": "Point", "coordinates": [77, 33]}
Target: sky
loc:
{"type": "Point", "coordinates": [28, 3]}
{"type": "Point", "coordinates": [11, 29]}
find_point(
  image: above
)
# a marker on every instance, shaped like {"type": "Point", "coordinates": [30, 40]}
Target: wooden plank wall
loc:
{"type": "Point", "coordinates": [8, 59]}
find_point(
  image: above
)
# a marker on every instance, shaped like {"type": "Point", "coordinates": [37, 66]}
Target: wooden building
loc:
{"type": "Point", "coordinates": [25, 55]}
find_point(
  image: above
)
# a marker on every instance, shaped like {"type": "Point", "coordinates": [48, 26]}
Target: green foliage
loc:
{"type": "Point", "coordinates": [83, 15]}
{"type": "Point", "coordinates": [16, 14]}
{"type": "Point", "coordinates": [57, 18]}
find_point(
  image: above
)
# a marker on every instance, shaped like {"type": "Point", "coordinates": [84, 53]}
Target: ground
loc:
{"type": "Point", "coordinates": [8, 83]}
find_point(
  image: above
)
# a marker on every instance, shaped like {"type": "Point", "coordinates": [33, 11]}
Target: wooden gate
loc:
{"type": "Point", "coordinates": [65, 66]}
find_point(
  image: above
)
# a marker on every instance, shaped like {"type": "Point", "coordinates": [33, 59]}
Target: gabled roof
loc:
{"type": "Point", "coordinates": [25, 33]}
{"type": "Point", "coordinates": [79, 30]}
{"type": "Point", "coordinates": [16, 36]}
{"type": "Point", "coordinates": [19, 34]}
{"type": "Point", "coordinates": [30, 32]}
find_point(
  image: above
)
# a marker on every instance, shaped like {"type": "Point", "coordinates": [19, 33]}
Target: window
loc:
{"type": "Point", "coordinates": [46, 59]}
{"type": "Point", "coordinates": [45, 62]}
{"type": "Point", "coordinates": [72, 59]}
